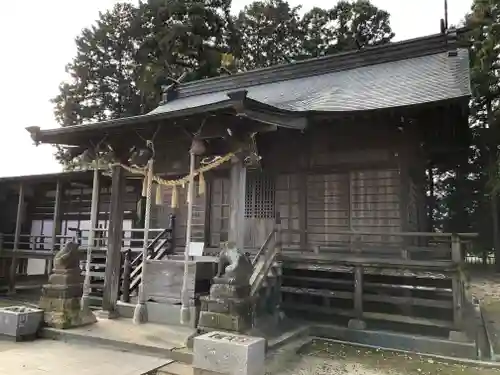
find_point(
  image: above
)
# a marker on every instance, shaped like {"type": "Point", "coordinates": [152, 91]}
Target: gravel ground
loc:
{"type": "Point", "coordinates": [321, 357]}
{"type": "Point", "coordinates": [485, 286]}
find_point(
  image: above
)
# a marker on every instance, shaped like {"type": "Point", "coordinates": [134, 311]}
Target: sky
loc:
{"type": "Point", "coordinates": [37, 41]}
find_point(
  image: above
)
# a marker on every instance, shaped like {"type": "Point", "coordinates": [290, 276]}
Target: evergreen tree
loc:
{"type": "Point", "coordinates": [348, 25]}
{"type": "Point", "coordinates": [103, 73]}
{"type": "Point", "coordinates": [484, 23]}
{"type": "Point", "coordinates": [271, 33]}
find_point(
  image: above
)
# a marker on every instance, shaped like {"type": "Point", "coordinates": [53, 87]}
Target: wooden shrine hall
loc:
{"type": "Point", "coordinates": [320, 166]}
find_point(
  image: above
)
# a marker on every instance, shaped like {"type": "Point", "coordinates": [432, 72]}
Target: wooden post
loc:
{"type": "Point", "coordinates": [127, 270]}
{"type": "Point", "coordinates": [304, 165]}
{"type": "Point", "coordinates": [94, 219]}
{"type": "Point", "coordinates": [171, 225]}
{"type": "Point", "coordinates": [113, 253]}
{"type": "Point", "coordinates": [185, 310]}
{"type": "Point", "coordinates": [56, 223]}
{"type": "Point", "coordinates": [457, 282]}
{"type": "Point", "coordinates": [17, 237]}
{"type": "Point", "coordinates": [140, 312]}
{"type": "Point", "coordinates": [237, 203]}
{"type": "Point", "coordinates": [358, 292]}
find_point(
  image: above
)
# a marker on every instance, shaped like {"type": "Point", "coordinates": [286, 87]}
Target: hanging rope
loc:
{"type": "Point", "coordinates": [184, 180]}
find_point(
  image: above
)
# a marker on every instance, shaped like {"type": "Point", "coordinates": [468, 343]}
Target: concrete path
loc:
{"type": "Point", "coordinates": [44, 357]}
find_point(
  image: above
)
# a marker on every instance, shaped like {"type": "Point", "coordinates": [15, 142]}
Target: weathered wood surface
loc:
{"type": "Point", "coordinates": [163, 278]}
{"type": "Point", "coordinates": [115, 233]}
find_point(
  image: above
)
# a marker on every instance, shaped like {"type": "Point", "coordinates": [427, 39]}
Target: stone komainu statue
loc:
{"type": "Point", "coordinates": [67, 257]}
{"type": "Point", "coordinates": [234, 266]}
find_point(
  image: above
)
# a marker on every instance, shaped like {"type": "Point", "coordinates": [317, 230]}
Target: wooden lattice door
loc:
{"type": "Point", "coordinates": [259, 208]}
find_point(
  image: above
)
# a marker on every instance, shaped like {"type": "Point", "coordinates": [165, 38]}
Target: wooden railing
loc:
{"type": "Point", "coordinates": [406, 255]}
{"type": "Point", "coordinates": [163, 244]}
{"type": "Point", "coordinates": [265, 258]}
{"type": "Point", "coordinates": [27, 246]}
{"type": "Point", "coordinates": [387, 247]}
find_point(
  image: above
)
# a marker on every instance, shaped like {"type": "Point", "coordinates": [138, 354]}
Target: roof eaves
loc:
{"type": "Point", "coordinates": [50, 135]}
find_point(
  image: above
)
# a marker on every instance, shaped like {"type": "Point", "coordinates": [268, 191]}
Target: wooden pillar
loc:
{"type": "Point", "coordinates": [56, 223]}
{"type": "Point", "coordinates": [304, 242]}
{"type": "Point", "coordinates": [94, 220]}
{"type": "Point", "coordinates": [457, 282]}
{"type": "Point", "coordinates": [113, 253]}
{"type": "Point", "coordinates": [17, 237]}
{"type": "Point", "coordinates": [237, 177]}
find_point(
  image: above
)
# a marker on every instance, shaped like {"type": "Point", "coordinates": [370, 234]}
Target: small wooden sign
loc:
{"type": "Point", "coordinates": [196, 249]}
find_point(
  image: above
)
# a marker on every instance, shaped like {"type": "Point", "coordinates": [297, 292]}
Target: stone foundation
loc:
{"type": "Point", "coordinates": [61, 297]}
{"type": "Point", "coordinates": [228, 308]}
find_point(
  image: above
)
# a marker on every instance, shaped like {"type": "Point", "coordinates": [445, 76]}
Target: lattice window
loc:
{"type": "Point", "coordinates": [260, 197]}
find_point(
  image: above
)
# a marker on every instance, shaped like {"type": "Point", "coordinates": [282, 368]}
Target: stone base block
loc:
{"type": "Point", "coordinates": [63, 314]}
{"type": "Point", "coordinates": [69, 277]}
{"type": "Point", "coordinates": [218, 291]}
{"type": "Point", "coordinates": [106, 314]}
{"type": "Point", "coordinates": [232, 306]}
{"type": "Point", "coordinates": [49, 303]}
{"type": "Point", "coordinates": [458, 336]}
{"type": "Point", "coordinates": [164, 313]}
{"type": "Point", "coordinates": [225, 353]}
{"type": "Point", "coordinates": [356, 324]}
{"type": "Point", "coordinates": [62, 291]}
{"type": "Point", "coordinates": [226, 322]}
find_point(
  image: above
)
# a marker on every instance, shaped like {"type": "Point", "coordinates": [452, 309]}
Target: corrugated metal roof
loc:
{"type": "Point", "coordinates": [399, 83]}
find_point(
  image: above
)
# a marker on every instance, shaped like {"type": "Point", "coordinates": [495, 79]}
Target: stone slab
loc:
{"type": "Point", "coordinates": [491, 320]}
{"type": "Point", "coordinates": [43, 357]}
{"type": "Point", "coordinates": [230, 354]}
{"type": "Point", "coordinates": [122, 334]}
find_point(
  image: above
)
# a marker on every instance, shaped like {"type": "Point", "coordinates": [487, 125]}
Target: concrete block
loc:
{"type": "Point", "coordinates": [19, 321]}
{"type": "Point", "coordinates": [229, 354]}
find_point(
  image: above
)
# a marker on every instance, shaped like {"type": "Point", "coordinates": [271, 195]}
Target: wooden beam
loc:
{"type": "Point", "coordinates": [17, 236]}
{"type": "Point", "coordinates": [113, 253]}
{"type": "Point", "coordinates": [56, 221]}
{"type": "Point", "coordinates": [237, 193]}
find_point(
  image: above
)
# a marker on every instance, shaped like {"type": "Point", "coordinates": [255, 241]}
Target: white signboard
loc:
{"type": "Point", "coordinates": [196, 249]}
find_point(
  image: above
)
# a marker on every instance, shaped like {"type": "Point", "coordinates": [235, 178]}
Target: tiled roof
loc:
{"type": "Point", "coordinates": [399, 83]}
{"type": "Point", "coordinates": [423, 70]}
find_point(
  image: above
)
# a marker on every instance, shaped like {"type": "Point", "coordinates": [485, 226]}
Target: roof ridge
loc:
{"type": "Point", "coordinates": [348, 60]}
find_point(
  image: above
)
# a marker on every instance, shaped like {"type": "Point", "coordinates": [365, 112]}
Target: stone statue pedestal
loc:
{"type": "Point", "coordinates": [229, 308]}
{"type": "Point", "coordinates": [61, 296]}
